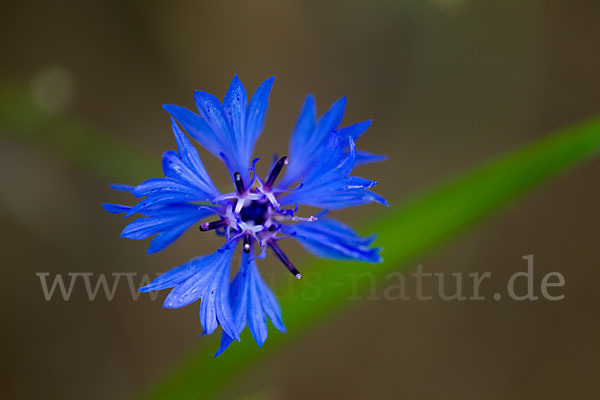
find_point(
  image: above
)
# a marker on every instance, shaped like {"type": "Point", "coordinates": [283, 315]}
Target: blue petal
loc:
{"type": "Point", "coordinates": [195, 126]}
{"type": "Point", "coordinates": [255, 116]}
{"type": "Point", "coordinates": [238, 296]}
{"type": "Point", "coordinates": [121, 187]}
{"type": "Point", "coordinates": [257, 322]}
{"type": "Point", "coordinates": [268, 301]}
{"type": "Point", "coordinates": [229, 130]}
{"type": "Point", "coordinates": [212, 112]}
{"type": "Point", "coordinates": [226, 340]}
{"type": "Point", "coordinates": [307, 141]}
{"type": "Point", "coordinates": [189, 156]}
{"type": "Point", "coordinates": [234, 106]}
{"type": "Point", "coordinates": [347, 192]}
{"type": "Point", "coordinates": [168, 221]}
{"type": "Point", "coordinates": [330, 120]}
{"type": "Point", "coordinates": [305, 125]}
{"type": "Point", "coordinates": [159, 202]}
{"type": "Point", "coordinates": [214, 308]}
{"type": "Point", "coordinates": [321, 153]}
{"type": "Point", "coordinates": [145, 227]}
{"type": "Point", "coordinates": [300, 137]}
{"type": "Point", "coordinates": [335, 200]}
{"type": "Point", "coordinates": [175, 168]}
{"type": "Point", "coordinates": [164, 239]}
{"type": "Point", "coordinates": [157, 186]}
{"type": "Point", "coordinates": [183, 210]}
{"type": "Point", "coordinates": [363, 157]}
{"type": "Point", "coordinates": [205, 278]}
{"type": "Point", "coordinates": [174, 276]}
{"type": "Point", "coordinates": [328, 185]}
{"type": "Point", "coordinates": [354, 131]}
{"type": "Point", "coordinates": [329, 238]}
{"type": "Point", "coordinates": [334, 165]}
{"type": "Point", "coordinates": [194, 287]}
{"type": "Point", "coordinates": [252, 302]}
{"type": "Point", "coordinates": [115, 208]}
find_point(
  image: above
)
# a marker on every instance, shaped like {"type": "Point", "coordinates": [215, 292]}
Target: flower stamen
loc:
{"type": "Point", "coordinates": [239, 184]}
{"type": "Point", "coordinates": [275, 172]}
{"type": "Point", "coordinates": [247, 239]}
{"type": "Point", "coordinates": [289, 216]}
{"type": "Point", "coordinates": [209, 226]}
{"type": "Point", "coordinates": [281, 255]}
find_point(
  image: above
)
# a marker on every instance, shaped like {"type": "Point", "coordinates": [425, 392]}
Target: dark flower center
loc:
{"type": "Point", "coordinates": [256, 212]}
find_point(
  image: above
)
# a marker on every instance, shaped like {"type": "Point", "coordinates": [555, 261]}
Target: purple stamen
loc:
{"type": "Point", "coordinates": [247, 239]}
{"type": "Point", "coordinates": [239, 184]}
{"type": "Point", "coordinates": [277, 250]}
{"type": "Point", "coordinates": [209, 226]}
{"type": "Point", "coordinates": [275, 171]}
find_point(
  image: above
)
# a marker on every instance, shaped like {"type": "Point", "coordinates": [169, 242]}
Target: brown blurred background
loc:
{"type": "Point", "coordinates": [449, 84]}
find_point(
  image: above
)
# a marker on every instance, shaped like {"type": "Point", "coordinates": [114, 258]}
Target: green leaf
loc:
{"type": "Point", "coordinates": [405, 232]}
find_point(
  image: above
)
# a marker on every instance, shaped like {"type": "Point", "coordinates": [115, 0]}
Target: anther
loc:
{"type": "Point", "coordinates": [246, 246]}
{"type": "Point", "coordinates": [209, 226]}
{"type": "Point", "coordinates": [239, 184]}
{"type": "Point", "coordinates": [277, 250]}
{"type": "Point", "coordinates": [275, 171]}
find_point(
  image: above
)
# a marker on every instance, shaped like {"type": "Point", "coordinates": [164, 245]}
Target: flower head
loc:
{"type": "Point", "coordinates": [257, 213]}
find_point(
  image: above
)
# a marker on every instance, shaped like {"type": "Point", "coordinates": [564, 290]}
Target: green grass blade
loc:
{"type": "Point", "coordinates": [405, 232]}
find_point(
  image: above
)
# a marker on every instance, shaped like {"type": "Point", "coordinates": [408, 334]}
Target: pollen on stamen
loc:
{"type": "Point", "coordinates": [276, 171]}
{"type": "Point", "coordinates": [239, 184]}
{"type": "Point", "coordinates": [246, 246]}
{"type": "Point", "coordinates": [209, 226]}
{"type": "Point", "coordinates": [281, 255]}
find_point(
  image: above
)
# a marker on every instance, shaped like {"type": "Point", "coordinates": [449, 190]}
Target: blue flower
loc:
{"type": "Point", "coordinates": [258, 213]}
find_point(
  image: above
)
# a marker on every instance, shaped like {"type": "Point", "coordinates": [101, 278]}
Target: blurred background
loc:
{"type": "Point", "coordinates": [448, 83]}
